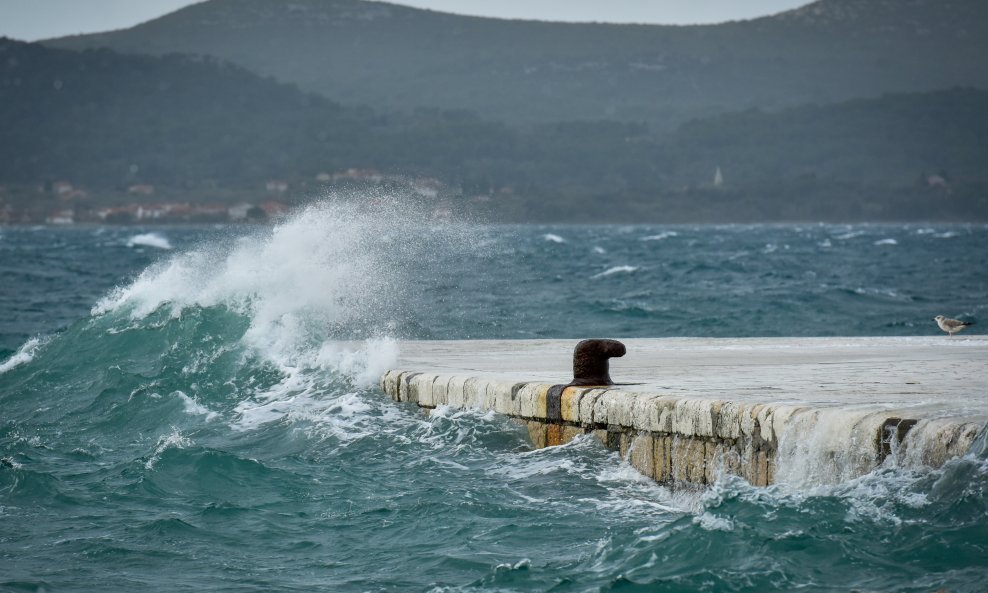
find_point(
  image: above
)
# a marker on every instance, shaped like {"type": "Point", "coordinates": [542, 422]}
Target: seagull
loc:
{"type": "Point", "coordinates": [951, 326]}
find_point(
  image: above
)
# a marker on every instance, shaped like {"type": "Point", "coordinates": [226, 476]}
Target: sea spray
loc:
{"type": "Point", "coordinates": [24, 354]}
{"type": "Point", "coordinates": [156, 240]}
{"type": "Point", "coordinates": [336, 270]}
{"type": "Point", "coordinates": [827, 446]}
{"type": "Point", "coordinates": [305, 289]}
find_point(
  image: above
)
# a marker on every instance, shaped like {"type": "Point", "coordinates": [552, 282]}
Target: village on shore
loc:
{"type": "Point", "coordinates": [65, 203]}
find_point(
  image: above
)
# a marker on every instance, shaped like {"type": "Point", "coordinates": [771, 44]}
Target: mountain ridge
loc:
{"type": "Point", "coordinates": [190, 125]}
{"type": "Point", "coordinates": [398, 58]}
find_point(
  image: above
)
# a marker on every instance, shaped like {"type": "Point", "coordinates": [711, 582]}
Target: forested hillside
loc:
{"type": "Point", "coordinates": [107, 121]}
{"type": "Point", "coordinates": [396, 58]}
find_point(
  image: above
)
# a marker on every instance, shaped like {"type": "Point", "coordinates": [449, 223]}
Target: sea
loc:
{"type": "Point", "coordinates": [197, 408]}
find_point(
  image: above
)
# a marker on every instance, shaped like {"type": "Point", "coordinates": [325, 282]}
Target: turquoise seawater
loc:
{"type": "Point", "coordinates": [195, 409]}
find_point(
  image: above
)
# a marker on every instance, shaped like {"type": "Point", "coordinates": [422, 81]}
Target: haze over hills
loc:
{"type": "Point", "coordinates": [840, 110]}
{"type": "Point", "coordinates": [190, 125]}
{"type": "Point", "coordinates": [395, 58]}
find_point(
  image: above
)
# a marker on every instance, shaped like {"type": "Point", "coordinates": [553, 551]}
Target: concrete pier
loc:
{"type": "Point", "coordinates": [795, 410]}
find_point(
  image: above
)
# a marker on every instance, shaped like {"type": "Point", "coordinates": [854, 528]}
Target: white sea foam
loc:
{"type": "Point", "coordinates": [826, 446]}
{"type": "Point", "coordinates": [304, 286]}
{"type": "Point", "coordinates": [303, 394]}
{"type": "Point", "coordinates": [329, 266]}
{"type": "Point", "coordinates": [11, 463]}
{"type": "Point", "coordinates": [834, 450]}
{"type": "Point", "coordinates": [599, 250]}
{"type": "Point", "coordinates": [615, 270]}
{"type": "Point", "coordinates": [850, 235]}
{"type": "Point", "coordinates": [882, 292]}
{"type": "Point", "coordinates": [193, 407]}
{"type": "Point", "coordinates": [886, 242]}
{"type": "Point", "coordinates": [937, 235]}
{"type": "Point", "coordinates": [553, 238]}
{"type": "Point", "coordinates": [24, 354]}
{"type": "Point", "coordinates": [711, 522]}
{"type": "Point", "coordinates": [174, 440]}
{"type": "Point", "coordinates": [661, 236]}
{"type": "Point", "coordinates": [628, 493]}
{"type": "Point", "coordinates": [522, 564]}
{"type": "Point", "coordinates": [538, 463]}
{"type": "Point", "coordinates": [900, 482]}
{"type": "Point", "coordinates": [364, 366]}
{"type": "Point", "coordinates": [453, 429]}
{"type": "Point", "coordinates": [342, 415]}
{"type": "Point", "coordinates": [156, 240]}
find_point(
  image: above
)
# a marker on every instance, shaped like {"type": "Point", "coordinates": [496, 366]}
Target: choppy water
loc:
{"type": "Point", "coordinates": [178, 414]}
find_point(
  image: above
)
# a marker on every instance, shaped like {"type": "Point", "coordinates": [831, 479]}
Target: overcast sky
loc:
{"type": "Point", "coordinates": [39, 19]}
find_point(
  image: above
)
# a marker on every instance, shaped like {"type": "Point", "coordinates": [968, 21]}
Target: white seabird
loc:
{"type": "Point", "coordinates": [951, 326]}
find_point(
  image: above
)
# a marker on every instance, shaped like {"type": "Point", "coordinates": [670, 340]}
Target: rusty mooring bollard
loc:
{"type": "Point", "coordinates": [590, 366]}
{"type": "Point", "coordinates": [590, 369]}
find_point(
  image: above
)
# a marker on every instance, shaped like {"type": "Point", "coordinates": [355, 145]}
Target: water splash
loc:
{"type": "Point", "coordinates": [24, 354]}
{"type": "Point", "coordinates": [174, 440]}
{"type": "Point", "coordinates": [156, 240]}
{"type": "Point", "coordinates": [827, 446]}
{"type": "Point", "coordinates": [335, 270]}
{"type": "Point", "coordinates": [317, 298]}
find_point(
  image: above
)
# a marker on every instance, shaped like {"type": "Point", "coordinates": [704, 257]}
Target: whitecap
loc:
{"type": "Point", "coordinates": [850, 235]}
{"type": "Point", "coordinates": [553, 238]}
{"type": "Point", "coordinates": [522, 564]}
{"type": "Point", "coordinates": [599, 250]}
{"type": "Point", "coordinates": [303, 394]}
{"type": "Point", "coordinates": [711, 522]}
{"type": "Point", "coordinates": [24, 354]}
{"type": "Point", "coordinates": [660, 236]}
{"type": "Point", "coordinates": [11, 463]}
{"type": "Point", "coordinates": [175, 440]}
{"type": "Point", "coordinates": [298, 285]}
{"type": "Point", "coordinates": [194, 408]}
{"type": "Point", "coordinates": [946, 235]}
{"type": "Point", "coordinates": [886, 242]}
{"type": "Point", "coordinates": [155, 240]}
{"type": "Point", "coordinates": [615, 270]}
{"type": "Point", "coordinates": [363, 366]}
{"type": "Point", "coordinates": [327, 266]}
{"type": "Point", "coordinates": [881, 292]}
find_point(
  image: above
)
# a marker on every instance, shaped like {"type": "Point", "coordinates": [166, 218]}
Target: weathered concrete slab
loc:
{"type": "Point", "coordinates": [795, 409]}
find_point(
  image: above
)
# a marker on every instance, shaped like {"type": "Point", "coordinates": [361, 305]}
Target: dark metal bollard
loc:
{"type": "Point", "coordinates": [590, 369]}
{"type": "Point", "coordinates": [590, 366]}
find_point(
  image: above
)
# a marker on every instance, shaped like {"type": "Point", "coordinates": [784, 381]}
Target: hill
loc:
{"type": "Point", "coordinates": [397, 58]}
{"type": "Point", "coordinates": [890, 140]}
{"type": "Point", "coordinates": [107, 121]}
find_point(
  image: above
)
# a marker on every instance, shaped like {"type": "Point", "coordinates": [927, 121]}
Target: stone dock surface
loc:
{"type": "Point", "coordinates": [805, 410]}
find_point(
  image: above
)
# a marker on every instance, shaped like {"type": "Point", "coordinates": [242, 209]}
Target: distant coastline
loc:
{"type": "Point", "coordinates": [806, 201]}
